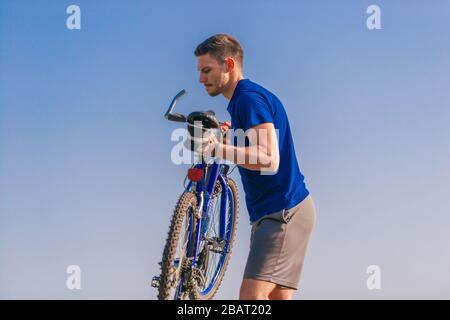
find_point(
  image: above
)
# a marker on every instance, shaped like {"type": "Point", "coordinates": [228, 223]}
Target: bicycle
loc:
{"type": "Point", "coordinates": [201, 234]}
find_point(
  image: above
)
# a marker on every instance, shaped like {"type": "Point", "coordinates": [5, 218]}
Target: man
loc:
{"type": "Point", "coordinates": [281, 210]}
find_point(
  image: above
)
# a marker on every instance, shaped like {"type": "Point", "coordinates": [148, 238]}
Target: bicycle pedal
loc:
{"type": "Point", "coordinates": [155, 282]}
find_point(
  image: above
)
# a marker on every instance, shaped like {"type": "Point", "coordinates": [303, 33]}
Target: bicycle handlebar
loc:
{"type": "Point", "coordinates": [178, 117]}
{"type": "Point", "coordinates": [175, 116]}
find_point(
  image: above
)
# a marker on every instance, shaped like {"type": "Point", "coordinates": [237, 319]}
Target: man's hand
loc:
{"type": "Point", "coordinates": [224, 127]}
{"type": "Point", "coordinates": [209, 145]}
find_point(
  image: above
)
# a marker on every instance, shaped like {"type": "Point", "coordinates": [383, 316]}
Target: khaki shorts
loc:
{"type": "Point", "coordinates": [278, 245]}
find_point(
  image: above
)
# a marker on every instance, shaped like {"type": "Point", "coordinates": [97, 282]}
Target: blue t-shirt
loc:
{"type": "Point", "coordinates": [252, 105]}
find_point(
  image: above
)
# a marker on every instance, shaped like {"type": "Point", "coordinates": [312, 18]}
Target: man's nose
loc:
{"type": "Point", "coordinates": [202, 78]}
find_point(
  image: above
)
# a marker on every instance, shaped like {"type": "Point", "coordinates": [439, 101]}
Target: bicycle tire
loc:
{"type": "Point", "coordinates": [186, 200]}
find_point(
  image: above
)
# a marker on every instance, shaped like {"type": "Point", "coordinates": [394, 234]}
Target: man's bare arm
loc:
{"type": "Point", "coordinates": [262, 154]}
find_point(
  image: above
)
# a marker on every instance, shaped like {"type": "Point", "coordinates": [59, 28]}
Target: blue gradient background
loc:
{"type": "Point", "coordinates": [85, 170]}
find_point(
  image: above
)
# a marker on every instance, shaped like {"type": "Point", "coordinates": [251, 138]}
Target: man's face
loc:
{"type": "Point", "coordinates": [213, 75]}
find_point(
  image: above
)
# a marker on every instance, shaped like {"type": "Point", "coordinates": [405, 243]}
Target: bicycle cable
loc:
{"type": "Point", "coordinates": [229, 173]}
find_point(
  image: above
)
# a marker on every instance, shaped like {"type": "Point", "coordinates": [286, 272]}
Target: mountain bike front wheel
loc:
{"type": "Point", "coordinates": [174, 261]}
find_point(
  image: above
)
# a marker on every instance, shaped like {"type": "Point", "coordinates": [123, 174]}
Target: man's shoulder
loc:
{"type": "Point", "coordinates": [253, 87]}
{"type": "Point", "coordinates": [247, 96]}
{"type": "Point", "coordinates": [252, 97]}
{"type": "Point", "coordinates": [253, 90]}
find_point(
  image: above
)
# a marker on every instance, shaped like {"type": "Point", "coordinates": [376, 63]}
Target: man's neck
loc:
{"type": "Point", "coordinates": [228, 93]}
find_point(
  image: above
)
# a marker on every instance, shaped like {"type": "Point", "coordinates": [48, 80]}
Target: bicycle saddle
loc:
{"type": "Point", "coordinates": [208, 119]}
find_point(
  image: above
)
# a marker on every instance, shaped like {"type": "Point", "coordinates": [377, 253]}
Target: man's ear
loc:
{"type": "Point", "coordinates": [230, 64]}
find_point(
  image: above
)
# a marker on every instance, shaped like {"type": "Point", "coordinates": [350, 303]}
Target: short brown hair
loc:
{"type": "Point", "coordinates": [220, 46]}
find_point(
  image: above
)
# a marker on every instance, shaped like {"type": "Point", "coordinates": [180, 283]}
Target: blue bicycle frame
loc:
{"type": "Point", "coordinates": [204, 190]}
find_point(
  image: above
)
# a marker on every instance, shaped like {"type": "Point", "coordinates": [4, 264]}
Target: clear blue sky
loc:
{"type": "Point", "coordinates": [85, 170]}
